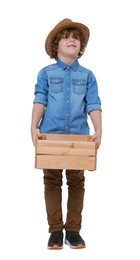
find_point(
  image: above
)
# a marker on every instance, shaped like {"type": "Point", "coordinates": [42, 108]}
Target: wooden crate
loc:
{"type": "Point", "coordinates": [58, 151]}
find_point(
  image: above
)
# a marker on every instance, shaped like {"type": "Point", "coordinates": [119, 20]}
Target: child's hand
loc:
{"type": "Point", "coordinates": [96, 138]}
{"type": "Point", "coordinates": [35, 134]}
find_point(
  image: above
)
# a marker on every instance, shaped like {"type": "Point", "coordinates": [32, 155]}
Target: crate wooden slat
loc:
{"type": "Point", "coordinates": [58, 147]}
{"type": "Point", "coordinates": [69, 162]}
{"type": "Point", "coordinates": [57, 151]}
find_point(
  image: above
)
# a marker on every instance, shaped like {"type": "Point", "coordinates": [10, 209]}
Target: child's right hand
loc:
{"type": "Point", "coordinates": [35, 134]}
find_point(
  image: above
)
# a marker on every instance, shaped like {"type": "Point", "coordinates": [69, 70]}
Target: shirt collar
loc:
{"type": "Point", "coordinates": [63, 65]}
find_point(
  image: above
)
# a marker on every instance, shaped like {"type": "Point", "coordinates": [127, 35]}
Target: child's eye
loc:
{"type": "Point", "coordinates": [76, 37]}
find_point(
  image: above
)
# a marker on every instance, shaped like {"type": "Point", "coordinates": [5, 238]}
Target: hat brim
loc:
{"type": "Point", "coordinates": [51, 36]}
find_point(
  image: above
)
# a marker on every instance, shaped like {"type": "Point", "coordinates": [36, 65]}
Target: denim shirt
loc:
{"type": "Point", "coordinates": [69, 93]}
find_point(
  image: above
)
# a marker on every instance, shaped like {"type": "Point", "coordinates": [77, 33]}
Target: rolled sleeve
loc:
{"type": "Point", "coordinates": [41, 88]}
{"type": "Point", "coordinates": [93, 101]}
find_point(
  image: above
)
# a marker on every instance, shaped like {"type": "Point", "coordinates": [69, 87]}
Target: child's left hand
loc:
{"type": "Point", "coordinates": [96, 137]}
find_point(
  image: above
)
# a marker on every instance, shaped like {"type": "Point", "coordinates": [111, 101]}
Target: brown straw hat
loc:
{"type": "Point", "coordinates": [64, 24]}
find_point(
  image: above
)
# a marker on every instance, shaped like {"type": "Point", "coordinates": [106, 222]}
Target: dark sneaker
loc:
{"type": "Point", "coordinates": [74, 240]}
{"type": "Point", "coordinates": [56, 240]}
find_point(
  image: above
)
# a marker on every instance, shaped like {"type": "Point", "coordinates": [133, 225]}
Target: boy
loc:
{"type": "Point", "coordinates": [65, 94]}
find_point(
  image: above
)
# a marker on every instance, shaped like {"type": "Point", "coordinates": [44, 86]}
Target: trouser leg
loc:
{"type": "Point", "coordinates": [75, 182]}
{"type": "Point", "coordinates": [53, 198]}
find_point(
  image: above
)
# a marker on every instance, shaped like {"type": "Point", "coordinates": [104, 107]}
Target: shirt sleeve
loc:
{"type": "Point", "coordinates": [41, 88]}
{"type": "Point", "coordinates": [93, 101]}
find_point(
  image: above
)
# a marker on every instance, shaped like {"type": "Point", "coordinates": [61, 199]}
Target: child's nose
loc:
{"type": "Point", "coordinates": [71, 38]}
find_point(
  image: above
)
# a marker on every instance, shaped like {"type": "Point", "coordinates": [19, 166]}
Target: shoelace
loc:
{"type": "Point", "coordinates": [56, 236]}
{"type": "Point", "coordinates": [75, 236]}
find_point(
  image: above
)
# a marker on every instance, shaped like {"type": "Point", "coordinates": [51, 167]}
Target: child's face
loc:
{"type": "Point", "coordinates": [69, 46]}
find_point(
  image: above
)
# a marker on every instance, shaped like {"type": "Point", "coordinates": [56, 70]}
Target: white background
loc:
{"type": "Point", "coordinates": [111, 215]}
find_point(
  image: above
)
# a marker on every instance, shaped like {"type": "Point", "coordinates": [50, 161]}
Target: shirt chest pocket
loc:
{"type": "Point", "coordinates": [56, 85]}
{"type": "Point", "coordinates": [79, 86]}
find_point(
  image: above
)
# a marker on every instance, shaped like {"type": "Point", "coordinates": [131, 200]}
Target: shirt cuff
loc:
{"type": "Point", "coordinates": [93, 107]}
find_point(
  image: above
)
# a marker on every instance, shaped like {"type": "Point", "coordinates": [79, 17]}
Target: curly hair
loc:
{"type": "Point", "coordinates": [66, 32]}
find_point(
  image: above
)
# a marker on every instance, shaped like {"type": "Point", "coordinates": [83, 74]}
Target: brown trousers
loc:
{"type": "Point", "coordinates": [53, 180]}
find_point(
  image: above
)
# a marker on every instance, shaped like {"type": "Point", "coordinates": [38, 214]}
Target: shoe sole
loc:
{"type": "Point", "coordinates": [79, 246]}
{"type": "Point", "coordinates": [55, 247]}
